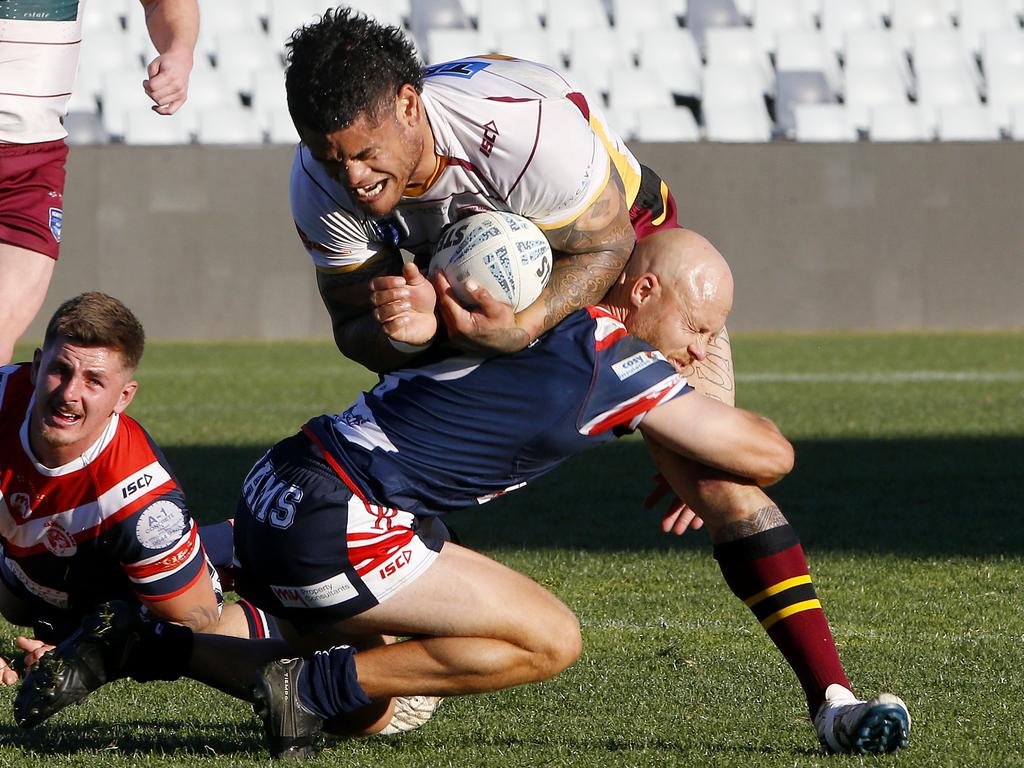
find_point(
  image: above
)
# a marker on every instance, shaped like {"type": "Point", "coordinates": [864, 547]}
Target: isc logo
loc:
{"type": "Point", "coordinates": [143, 481]}
{"type": "Point", "coordinates": [390, 569]}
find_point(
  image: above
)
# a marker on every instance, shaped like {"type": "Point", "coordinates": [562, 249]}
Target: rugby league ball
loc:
{"type": "Point", "coordinates": [505, 253]}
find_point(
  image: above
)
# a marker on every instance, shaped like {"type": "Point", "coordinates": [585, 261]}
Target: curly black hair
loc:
{"type": "Point", "coordinates": [343, 65]}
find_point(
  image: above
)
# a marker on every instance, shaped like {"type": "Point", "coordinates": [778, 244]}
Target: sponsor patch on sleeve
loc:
{"type": "Point", "coordinates": [160, 525]}
{"type": "Point", "coordinates": [636, 363]}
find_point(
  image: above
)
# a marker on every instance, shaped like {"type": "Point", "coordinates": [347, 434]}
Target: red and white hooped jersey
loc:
{"type": "Point", "coordinates": [509, 135]}
{"type": "Point", "coordinates": [110, 524]}
{"type": "Point", "coordinates": [40, 41]}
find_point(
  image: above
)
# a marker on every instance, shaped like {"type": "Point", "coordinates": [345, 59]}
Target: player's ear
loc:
{"type": "Point", "coordinates": [37, 358]}
{"type": "Point", "coordinates": [644, 288]}
{"type": "Point", "coordinates": [408, 107]}
{"type": "Point", "coordinates": [127, 395]}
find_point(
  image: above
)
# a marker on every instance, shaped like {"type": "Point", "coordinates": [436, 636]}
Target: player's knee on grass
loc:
{"type": "Point", "coordinates": [554, 643]}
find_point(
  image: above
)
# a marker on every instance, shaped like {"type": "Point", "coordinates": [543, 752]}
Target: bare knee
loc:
{"type": "Point", "coordinates": [555, 644]}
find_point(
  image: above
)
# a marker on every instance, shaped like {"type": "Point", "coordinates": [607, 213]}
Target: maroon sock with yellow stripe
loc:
{"type": "Point", "coordinates": [768, 572]}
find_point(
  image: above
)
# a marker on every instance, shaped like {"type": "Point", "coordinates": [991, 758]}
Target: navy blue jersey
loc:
{"type": "Point", "coordinates": [464, 430]}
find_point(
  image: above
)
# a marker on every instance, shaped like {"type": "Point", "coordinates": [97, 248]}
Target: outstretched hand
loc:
{"type": "Point", "coordinates": [404, 305]}
{"type": "Point", "coordinates": [486, 328]}
{"type": "Point", "coordinates": [34, 650]}
{"type": "Point", "coordinates": [678, 518]}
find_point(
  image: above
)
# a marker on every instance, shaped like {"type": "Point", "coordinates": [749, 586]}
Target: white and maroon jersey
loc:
{"type": "Point", "coordinates": [509, 135]}
{"type": "Point", "coordinates": [39, 45]}
{"type": "Point", "coordinates": [111, 524]}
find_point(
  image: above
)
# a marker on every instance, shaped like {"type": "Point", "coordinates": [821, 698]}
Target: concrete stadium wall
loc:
{"type": "Point", "coordinates": [199, 240]}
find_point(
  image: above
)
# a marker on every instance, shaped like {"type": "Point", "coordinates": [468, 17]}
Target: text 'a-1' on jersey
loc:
{"type": "Point", "coordinates": [456, 433]}
{"type": "Point", "coordinates": [509, 135]}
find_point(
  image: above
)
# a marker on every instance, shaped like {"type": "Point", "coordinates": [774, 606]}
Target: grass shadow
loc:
{"type": "Point", "coordinates": [931, 497]}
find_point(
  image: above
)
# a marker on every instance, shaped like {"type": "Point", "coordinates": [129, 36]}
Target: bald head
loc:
{"type": "Point", "coordinates": [675, 292]}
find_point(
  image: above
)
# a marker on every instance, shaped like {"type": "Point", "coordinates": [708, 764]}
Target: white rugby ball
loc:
{"type": "Point", "coordinates": [505, 253]}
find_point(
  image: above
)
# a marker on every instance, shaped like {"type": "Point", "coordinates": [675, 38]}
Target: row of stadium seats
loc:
{"type": "Point", "coordinates": [666, 70]}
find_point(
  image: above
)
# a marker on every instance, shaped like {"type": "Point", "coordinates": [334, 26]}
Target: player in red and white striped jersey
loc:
{"type": "Point", "coordinates": [89, 508]}
{"type": "Point", "coordinates": [40, 43]}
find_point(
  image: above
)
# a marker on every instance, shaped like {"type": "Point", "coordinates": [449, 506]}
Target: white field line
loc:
{"type": "Point", "coordinates": [735, 629]}
{"type": "Point", "coordinates": [888, 377]}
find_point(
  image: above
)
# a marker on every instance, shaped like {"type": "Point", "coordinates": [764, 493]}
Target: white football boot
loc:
{"type": "Point", "coordinates": [410, 713]}
{"type": "Point", "coordinates": [847, 724]}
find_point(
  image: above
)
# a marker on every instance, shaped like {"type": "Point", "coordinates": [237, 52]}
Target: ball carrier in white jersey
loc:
{"type": "Point", "coordinates": [40, 41]}
{"type": "Point", "coordinates": [393, 153]}
{"type": "Point", "coordinates": [335, 534]}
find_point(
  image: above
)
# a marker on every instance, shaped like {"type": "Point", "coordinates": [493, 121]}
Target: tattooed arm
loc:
{"type": "Point", "coordinates": [590, 252]}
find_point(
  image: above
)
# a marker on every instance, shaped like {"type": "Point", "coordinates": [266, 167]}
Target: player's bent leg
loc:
{"type": "Point", "coordinates": [24, 277]}
{"type": "Point", "coordinates": [480, 626]}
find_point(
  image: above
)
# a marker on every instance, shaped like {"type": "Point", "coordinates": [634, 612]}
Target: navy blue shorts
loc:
{"type": "Point", "coordinates": [312, 548]}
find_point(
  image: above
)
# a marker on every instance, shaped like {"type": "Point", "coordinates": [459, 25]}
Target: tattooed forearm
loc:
{"type": "Point", "coordinates": [590, 254]}
{"type": "Point", "coordinates": [762, 520]}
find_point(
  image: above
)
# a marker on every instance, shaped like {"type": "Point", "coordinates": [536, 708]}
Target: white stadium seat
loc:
{"type": "Point", "coordinates": [1005, 92]}
{"type": "Point", "coordinates": [532, 46]}
{"type": "Point", "coordinates": [385, 12]}
{"type": "Point", "coordinates": [942, 48]}
{"type": "Point", "coordinates": [867, 88]}
{"type": "Point", "coordinates": [239, 54]}
{"type": "Point", "coordinates": [738, 47]}
{"type": "Point", "coordinates": [623, 122]}
{"type": "Point", "coordinates": [1017, 123]}
{"type": "Point", "coordinates": [732, 85]}
{"type": "Point", "coordinates": [285, 16]}
{"type": "Point", "coordinates": [772, 17]}
{"type": "Point", "coordinates": [144, 126]}
{"type": "Point", "coordinates": [806, 50]}
{"type": "Point", "coordinates": [637, 88]}
{"type": "Point", "coordinates": [1003, 47]}
{"type": "Point", "coordinates": [632, 17]}
{"type": "Point", "coordinates": [943, 87]}
{"type": "Point", "coordinates": [967, 123]}
{"type": "Point", "coordinates": [673, 53]}
{"type": "Point", "coordinates": [266, 90]}
{"type": "Point", "coordinates": [563, 16]}
{"type": "Point", "coordinates": [839, 17]}
{"type": "Point", "coordinates": [280, 128]}
{"type": "Point", "coordinates": [976, 17]}
{"type": "Point", "coordinates": [449, 44]}
{"type": "Point", "coordinates": [497, 16]}
{"type": "Point", "coordinates": [795, 88]}
{"type": "Point", "coordinates": [737, 123]}
{"type": "Point", "coordinates": [898, 122]}
{"type": "Point", "coordinates": [598, 51]}
{"type": "Point", "coordinates": [823, 122]}
{"type": "Point", "coordinates": [666, 124]}
{"type": "Point", "coordinates": [702, 15]}
{"type": "Point", "coordinates": [105, 51]}
{"type": "Point", "coordinates": [911, 15]}
{"type": "Point", "coordinates": [228, 125]}
{"type": "Point", "coordinates": [876, 49]}
{"type": "Point", "coordinates": [119, 93]}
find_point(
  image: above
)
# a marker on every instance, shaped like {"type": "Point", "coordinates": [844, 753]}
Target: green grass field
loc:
{"type": "Point", "coordinates": [906, 494]}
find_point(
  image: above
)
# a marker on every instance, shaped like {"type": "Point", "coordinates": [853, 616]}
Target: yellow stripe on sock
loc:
{"type": "Point", "coordinates": [774, 589]}
{"type": "Point", "coordinates": [789, 610]}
